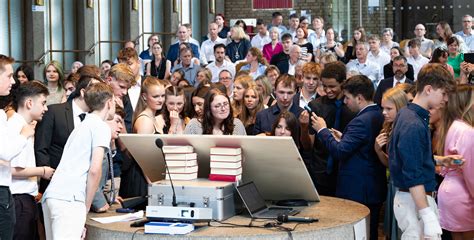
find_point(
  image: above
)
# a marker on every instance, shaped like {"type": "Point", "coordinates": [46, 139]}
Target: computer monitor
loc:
{"type": "Point", "coordinates": [272, 163]}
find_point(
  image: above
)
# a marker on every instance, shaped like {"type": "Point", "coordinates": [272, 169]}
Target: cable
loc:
{"type": "Point", "coordinates": [133, 235]}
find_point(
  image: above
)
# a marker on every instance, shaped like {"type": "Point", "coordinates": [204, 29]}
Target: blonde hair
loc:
{"type": "Point", "coordinates": [238, 33]}
{"type": "Point", "coordinates": [246, 82]}
{"type": "Point", "coordinates": [122, 72]}
{"type": "Point", "coordinates": [399, 98]}
{"type": "Point", "coordinates": [146, 85]}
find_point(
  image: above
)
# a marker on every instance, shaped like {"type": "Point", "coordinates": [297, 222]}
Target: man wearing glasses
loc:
{"type": "Point", "coordinates": [426, 47]}
{"type": "Point", "coordinates": [467, 33]}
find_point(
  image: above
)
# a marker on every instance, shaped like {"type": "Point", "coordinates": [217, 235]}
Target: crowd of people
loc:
{"type": "Point", "coordinates": [355, 110]}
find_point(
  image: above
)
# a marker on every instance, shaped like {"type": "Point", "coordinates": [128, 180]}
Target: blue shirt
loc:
{"type": "Point", "coordinates": [190, 72]}
{"type": "Point", "coordinates": [173, 52]}
{"type": "Point", "coordinates": [266, 117]}
{"type": "Point", "coordinates": [409, 150]}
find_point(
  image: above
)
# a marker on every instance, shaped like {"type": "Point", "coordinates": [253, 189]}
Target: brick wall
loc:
{"type": "Point", "coordinates": [374, 20]}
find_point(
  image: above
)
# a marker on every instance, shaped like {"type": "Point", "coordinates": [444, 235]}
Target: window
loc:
{"type": "Point", "coordinates": [271, 4]}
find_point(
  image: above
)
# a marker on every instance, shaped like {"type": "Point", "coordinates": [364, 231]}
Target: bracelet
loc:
{"type": "Point", "coordinates": [44, 172]}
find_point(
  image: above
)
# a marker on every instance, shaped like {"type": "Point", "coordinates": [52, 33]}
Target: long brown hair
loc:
{"type": "Point", "coordinates": [208, 118]}
{"type": "Point", "coordinates": [246, 82]}
{"type": "Point", "coordinates": [248, 116]}
{"type": "Point", "coordinates": [459, 106]}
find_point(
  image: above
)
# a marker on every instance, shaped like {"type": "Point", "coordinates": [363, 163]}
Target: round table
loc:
{"type": "Point", "coordinates": [337, 218]}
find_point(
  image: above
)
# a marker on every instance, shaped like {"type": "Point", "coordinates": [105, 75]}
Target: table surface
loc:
{"type": "Point", "coordinates": [334, 214]}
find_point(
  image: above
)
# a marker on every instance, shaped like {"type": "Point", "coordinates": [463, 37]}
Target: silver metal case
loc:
{"type": "Point", "coordinates": [203, 193]}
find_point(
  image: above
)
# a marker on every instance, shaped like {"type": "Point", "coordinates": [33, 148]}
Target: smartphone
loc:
{"type": "Point", "coordinates": [469, 57]}
{"type": "Point", "coordinates": [125, 210]}
{"type": "Point", "coordinates": [457, 161]}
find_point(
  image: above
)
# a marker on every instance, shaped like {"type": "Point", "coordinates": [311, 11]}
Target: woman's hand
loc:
{"type": "Point", "coordinates": [380, 141]}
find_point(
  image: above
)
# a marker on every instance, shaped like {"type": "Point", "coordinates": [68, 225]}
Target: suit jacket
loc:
{"type": "Point", "coordinates": [51, 135]}
{"type": "Point", "coordinates": [383, 86]}
{"type": "Point", "coordinates": [283, 66]}
{"type": "Point", "coordinates": [361, 175]}
{"type": "Point", "coordinates": [388, 71]}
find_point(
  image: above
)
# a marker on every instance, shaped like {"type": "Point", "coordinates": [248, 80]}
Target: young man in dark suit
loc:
{"type": "Point", "coordinates": [361, 176]}
{"type": "Point", "coordinates": [322, 167]}
{"type": "Point", "coordinates": [57, 124]}
{"type": "Point", "coordinates": [400, 68]}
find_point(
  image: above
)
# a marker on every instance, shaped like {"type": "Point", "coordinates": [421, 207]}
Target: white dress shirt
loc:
{"type": "Point", "coordinates": [207, 49]}
{"type": "Point", "coordinates": [11, 145]}
{"type": "Point", "coordinates": [258, 40]}
{"type": "Point", "coordinates": [369, 69]}
{"type": "Point", "coordinates": [417, 63]}
{"type": "Point", "coordinates": [25, 159]}
{"type": "Point", "coordinates": [215, 70]}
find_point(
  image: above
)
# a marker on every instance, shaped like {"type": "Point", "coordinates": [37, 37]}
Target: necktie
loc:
{"type": "Point", "coordinates": [82, 116]}
{"type": "Point", "coordinates": [111, 175]}
{"type": "Point", "coordinates": [337, 124]}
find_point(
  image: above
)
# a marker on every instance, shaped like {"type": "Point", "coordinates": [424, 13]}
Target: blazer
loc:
{"type": "Point", "coordinates": [361, 175]}
{"type": "Point", "coordinates": [383, 86]}
{"type": "Point", "coordinates": [283, 66]}
{"type": "Point", "coordinates": [51, 135]}
{"type": "Point", "coordinates": [388, 71]}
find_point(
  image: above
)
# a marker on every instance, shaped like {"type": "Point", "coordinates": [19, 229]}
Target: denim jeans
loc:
{"type": "Point", "coordinates": [7, 213]}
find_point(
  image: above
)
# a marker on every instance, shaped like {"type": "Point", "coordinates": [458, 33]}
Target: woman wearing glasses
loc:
{"type": "Point", "coordinates": [217, 118]}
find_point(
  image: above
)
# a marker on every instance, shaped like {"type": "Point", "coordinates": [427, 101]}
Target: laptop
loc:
{"type": "Point", "coordinates": [256, 206]}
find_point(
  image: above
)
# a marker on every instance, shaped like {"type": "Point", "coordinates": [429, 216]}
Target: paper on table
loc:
{"type": "Point", "coordinates": [120, 218]}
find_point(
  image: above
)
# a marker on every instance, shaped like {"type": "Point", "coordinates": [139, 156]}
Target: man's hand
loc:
{"type": "Point", "coordinates": [336, 134]}
{"type": "Point", "coordinates": [48, 172]}
{"type": "Point", "coordinates": [431, 227]}
{"type": "Point", "coordinates": [304, 119]}
{"type": "Point", "coordinates": [317, 123]}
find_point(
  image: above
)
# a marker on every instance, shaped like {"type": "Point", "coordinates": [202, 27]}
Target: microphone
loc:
{"type": "Point", "coordinates": [285, 218]}
{"type": "Point", "coordinates": [159, 144]}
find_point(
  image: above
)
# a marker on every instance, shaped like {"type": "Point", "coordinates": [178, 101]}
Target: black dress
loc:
{"type": "Point", "coordinates": [223, 32]}
{"type": "Point", "coordinates": [158, 71]}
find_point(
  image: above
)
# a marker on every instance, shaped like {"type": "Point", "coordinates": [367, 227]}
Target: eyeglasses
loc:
{"type": "Point", "coordinates": [225, 78]}
{"type": "Point", "coordinates": [223, 105]}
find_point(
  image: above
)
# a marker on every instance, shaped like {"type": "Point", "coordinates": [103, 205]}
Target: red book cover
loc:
{"type": "Point", "coordinates": [224, 178]}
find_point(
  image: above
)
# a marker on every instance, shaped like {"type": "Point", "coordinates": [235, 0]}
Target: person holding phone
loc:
{"type": "Point", "coordinates": [456, 192]}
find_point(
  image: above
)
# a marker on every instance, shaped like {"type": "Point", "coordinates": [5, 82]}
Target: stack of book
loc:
{"type": "Point", "coordinates": [182, 162]}
{"type": "Point", "coordinates": [226, 164]}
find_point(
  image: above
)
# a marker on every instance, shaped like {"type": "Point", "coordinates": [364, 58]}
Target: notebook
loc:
{"type": "Point", "coordinates": [256, 205]}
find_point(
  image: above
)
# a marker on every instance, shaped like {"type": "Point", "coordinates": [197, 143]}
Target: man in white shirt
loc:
{"type": "Point", "coordinates": [220, 63]}
{"type": "Point", "coordinates": [376, 55]}
{"type": "Point", "coordinates": [12, 145]}
{"type": "Point", "coordinates": [130, 57]}
{"type": "Point", "coordinates": [294, 23]}
{"type": "Point", "coordinates": [68, 198]}
{"type": "Point", "coordinates": [415, 58]}
{"type": "Point", "coordinates": [262, 37]}
{"type": "Point", "coordinates": [467, 32]}
{"type": "Point", "coordinates": [319, 35]}
{"type": "Point", "coordinates": [30, 104]}
{"type": "Point", "coordinates": [207, 47]}
{"type": "Point", "coordinates": [363, 65]}
{"type": "Point", "coordinates": [426, 46]}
